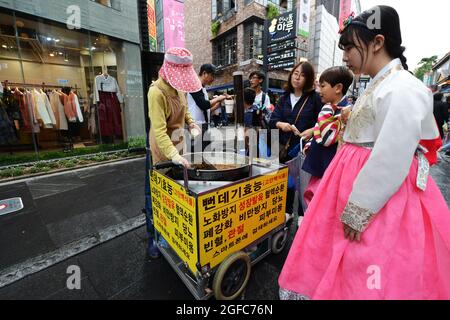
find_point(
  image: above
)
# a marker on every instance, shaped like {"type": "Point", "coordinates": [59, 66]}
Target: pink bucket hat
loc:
{"type": "Point", "coordinates": [179, 72]}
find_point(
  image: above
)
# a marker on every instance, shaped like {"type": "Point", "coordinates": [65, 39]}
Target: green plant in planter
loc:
{"type": "Point", "coordinates": [11, 173]}
{"type": "Point", "coordinates": [138, 142]}
{"type": "Point", "coordinates": [272, 11]}
{"type": "Point", "coordinates": [215, 28]}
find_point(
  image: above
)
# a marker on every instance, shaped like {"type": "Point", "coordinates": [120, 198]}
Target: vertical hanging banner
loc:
{"type": "Point", "coordinates": [345, 11]}
{"type": "Point", "coordinates": [151, 15]}
{"type": "Point", "coordinates": [304, 15]}
{"type": "Point", "coordinates": [174, 23]}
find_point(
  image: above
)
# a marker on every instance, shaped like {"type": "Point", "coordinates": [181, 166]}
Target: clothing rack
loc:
{"type": "Point", "coordinates": [33, 85]}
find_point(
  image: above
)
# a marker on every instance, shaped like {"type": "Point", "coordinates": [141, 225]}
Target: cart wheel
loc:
{"type": "Point", "coordinates": [232, 276]}
{"type": "Point", "coordinates": [279, 241]}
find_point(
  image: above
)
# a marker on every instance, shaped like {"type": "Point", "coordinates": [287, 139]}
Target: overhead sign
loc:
{"type": "Point", "coordinates": [282, 65]}
{"type": "Point", "coordinates": [282, 55]}
{"type": "Point", "coordinates": [282, 28]}
{"type": "Point", "coordinates": [281, 46]}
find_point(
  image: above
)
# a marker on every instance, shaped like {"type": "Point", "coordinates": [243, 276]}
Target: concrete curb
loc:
{"type": "Point", "coordinates": [58, 171]}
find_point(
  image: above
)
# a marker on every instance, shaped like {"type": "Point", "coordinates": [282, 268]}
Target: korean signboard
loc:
{"type": "Point", "coordinates": [151, 15]}
{"type": "Point", "coordinates": [174, 23]}
{"type": "Point", "coordinates": [175, 218]}
{"type": "Point", "coordinates": [281, 65]}
{"type": "Point", "coordinates": [233, 218]}
{"type": "Point", "coordinates": [282, 55]}
{"type": "Point", "coordinates": [282, 28]}
{"type": "Point", "coordinates": [207, 228]}
{"type": "Point", "coordinates": [281, 46]}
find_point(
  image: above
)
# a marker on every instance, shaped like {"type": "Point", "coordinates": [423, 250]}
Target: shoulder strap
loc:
{"type": "Point", "coordinates": [296, 120]}
{"type": "Point", "coordinates": [301, 109]}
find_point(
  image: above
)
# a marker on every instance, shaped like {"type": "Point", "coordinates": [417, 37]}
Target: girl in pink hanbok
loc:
{"type": "Point", "coordinates": [378, 227]}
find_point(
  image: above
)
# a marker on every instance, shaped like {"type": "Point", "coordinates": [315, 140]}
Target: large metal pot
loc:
{"type": "Point", "coordinates": [212, 166]}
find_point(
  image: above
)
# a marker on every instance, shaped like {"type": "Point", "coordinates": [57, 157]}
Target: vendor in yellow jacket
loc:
{"type": "Point", "coordinates": [168, 108]}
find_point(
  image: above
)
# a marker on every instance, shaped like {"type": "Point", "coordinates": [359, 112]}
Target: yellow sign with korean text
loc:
{"type": "Point", "coordinates": [174, 217]}
{"type": "Point", "coordinates": [232, 218]}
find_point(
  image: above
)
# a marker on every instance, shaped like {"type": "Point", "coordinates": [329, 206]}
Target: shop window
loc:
{"type": "Point", "coordinates": [9, 50]}
{"type": "Point", "coordinates": [225, 50]}
{"type": "Point", "coordinates": [42, 60]}
{"type": "Point", "coordinates": [253, 37]}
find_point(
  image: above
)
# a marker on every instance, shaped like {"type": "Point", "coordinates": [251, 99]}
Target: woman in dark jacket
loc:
{"type": "Point", "coordinates": [300, 89]}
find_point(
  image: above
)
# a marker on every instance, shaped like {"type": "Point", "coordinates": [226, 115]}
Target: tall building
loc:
{"type": "Point", "coordinates": [50, 44]}
{"type": "Point", "coordinates": [229, 34]}
{"type": "Point", "coordinates": [324, 51]}
{"type": "Point", "coordinates": [332, 6]}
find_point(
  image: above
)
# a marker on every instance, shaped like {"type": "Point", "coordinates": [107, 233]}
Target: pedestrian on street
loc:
{"type": "Point", "coordinates": [168, 112]}
{"type": "Point", "coordinates": [334, 84]}
{"type": "Point", "coordinates": [260, 111]}
{"type": "Point", "coordinates": [378, 228]}
{"type": "Point", "coordinates": [440, 111]}
{"type": "Point", "coordinates": [295, 116]}
{"type": "Point", "coordinates": [200, 106]}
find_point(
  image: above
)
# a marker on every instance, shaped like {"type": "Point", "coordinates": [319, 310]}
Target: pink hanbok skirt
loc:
{"type": "Point", "coordinates": [403, 254]}
{"type": "Point", "coordinates": [311, 190]}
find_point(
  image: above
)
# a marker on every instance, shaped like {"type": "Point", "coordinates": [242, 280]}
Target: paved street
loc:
{"type": "Point", "coordinates": [92, 219]}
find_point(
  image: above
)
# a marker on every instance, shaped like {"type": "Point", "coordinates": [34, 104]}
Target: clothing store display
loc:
{"type": "Point", "coordinates": [108, 98]}
{"type": "Point", "coordinates": [7, 132]}
{"type": "Point", "coordinates": [110, 115]}
{"type": "Point", "coordinates": [72, 108]}
{"type": "Point", "coordinates": [43, 109]}
{"type": "Point", "coordinates": [12, 108]}
{"type": "Point", "coordinates": [106, 83]}
{"type": "Point", "coordinates": [58, 110]}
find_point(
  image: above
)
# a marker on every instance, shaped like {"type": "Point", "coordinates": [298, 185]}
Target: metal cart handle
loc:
{"type": "Point", "coordinates": [170, 164]}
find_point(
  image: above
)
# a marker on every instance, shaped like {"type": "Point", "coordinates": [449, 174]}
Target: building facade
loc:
{"type": "Point", "coordinates": [324, 49]}
{"type": "Point", "coordinates": [440, 75]}
{"type": "Point", "coordinates": [47, 44]}
{"type": "Point", "coordinates": [229, 34]}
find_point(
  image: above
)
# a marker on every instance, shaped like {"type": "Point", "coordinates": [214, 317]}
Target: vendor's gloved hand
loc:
{"type": "Point", "coordinates": [180, 160]}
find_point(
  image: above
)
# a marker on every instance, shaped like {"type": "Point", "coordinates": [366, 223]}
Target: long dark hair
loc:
{"type": "Point", "coordinates": [359, 29]}
{"type": "Point", "coordinates": [308, 72]}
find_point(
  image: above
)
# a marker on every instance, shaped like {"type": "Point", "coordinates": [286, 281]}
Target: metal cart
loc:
{"type": "Point", "coordinates": [212, 232]}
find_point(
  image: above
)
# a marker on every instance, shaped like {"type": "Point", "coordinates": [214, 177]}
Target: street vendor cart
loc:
{"type": "Point", "coordinates": [214, 221]}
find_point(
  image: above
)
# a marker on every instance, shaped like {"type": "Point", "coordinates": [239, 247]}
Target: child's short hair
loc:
{"type": "Point", "coordinates": [249, 96]}
{"type": "Point", "coordinates": [336, 75]}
